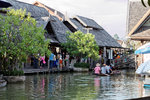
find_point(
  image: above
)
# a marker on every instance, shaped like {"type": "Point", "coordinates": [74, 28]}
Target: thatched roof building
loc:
{"type": "Point", "coordinates": [56, 30]}
{"type": "Point", "coordinates": [52, 11]}
{"type": "Point", "coordinates": [40, 14]}
{"type": "Point", "coordinates": [138, 21]}
{"type": "Point", "coordinates": [87, 25]}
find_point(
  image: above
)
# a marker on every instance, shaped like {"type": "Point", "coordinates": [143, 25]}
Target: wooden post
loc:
{"type": "Point", "coordinates": [104, 55]}
{"type": "Point", "coordinates": [48, 64]}
{"type": "Point", "coordinates": [142, 57]}
{"type": "Point", "coordinates": [88, 29]}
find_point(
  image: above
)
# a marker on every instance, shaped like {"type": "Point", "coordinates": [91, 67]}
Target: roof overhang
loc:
{"type": "Point", "coordinates": [37, 3]}
{"type": "Point", "coordinates": [139, 24]}
{"type": "Point", "coordinates": [80, 21]}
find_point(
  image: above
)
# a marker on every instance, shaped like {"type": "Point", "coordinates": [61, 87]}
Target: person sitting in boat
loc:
{"type": "Point", "coordinates": [103, 70]}
{"type": "Point", "coordinates": [112, 66]}
{"type": "Point", "coordinates": [108, 69]}
{"type": "Point", "coordinates": [97, 69]}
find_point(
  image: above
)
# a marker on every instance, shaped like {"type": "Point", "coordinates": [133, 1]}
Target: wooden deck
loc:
{"type": "Point", "coordinates": [44, 70]}
{"type": "Point", "coordinates": [34, 71]}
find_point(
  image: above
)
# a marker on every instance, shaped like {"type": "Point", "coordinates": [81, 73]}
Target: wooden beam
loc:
{"type": "Point", "coordinates": [139, 23]}
{"type": "Point", "coordinates": [140, 38]}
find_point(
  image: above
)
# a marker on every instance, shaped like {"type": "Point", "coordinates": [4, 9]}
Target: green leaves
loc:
{"type": "Point", "coordinates": [80, 44]}
{"type": "Point", "coordinates": [20, 37]}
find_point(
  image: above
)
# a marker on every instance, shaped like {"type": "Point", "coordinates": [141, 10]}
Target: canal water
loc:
{"type": "Point", "coordinates": [76, 86]}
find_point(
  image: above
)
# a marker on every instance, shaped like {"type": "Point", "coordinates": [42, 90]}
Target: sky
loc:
{"type": "Point", "coordinates": [110, 14]}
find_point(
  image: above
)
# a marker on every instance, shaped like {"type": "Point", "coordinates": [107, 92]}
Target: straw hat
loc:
{"type": "Point", "coordinates": [98, 65]}
{"type": "Point", "coordinates": [104, 64]}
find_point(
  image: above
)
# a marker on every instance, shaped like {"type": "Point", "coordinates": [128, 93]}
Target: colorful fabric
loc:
{"type": "Point", "coordinates": [97, 70]}
{"type": "Point", "coordinates": [103, 71]}
{"type": "Point", "coordinates": [51, 57]}
{"type": "Point", "coordinates": [108, 69]}
{"type": "Point", "coordinates": [43, 59]}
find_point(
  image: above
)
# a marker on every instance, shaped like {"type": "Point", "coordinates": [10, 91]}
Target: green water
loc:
{"type": "Point", "coordinates": [76, 86]}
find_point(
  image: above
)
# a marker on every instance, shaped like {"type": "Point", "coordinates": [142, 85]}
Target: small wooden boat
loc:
{"type": "Point", "coordinates": [114, 73]}
{"type": "Point", "coordinates": [100, 74]}
{"type": "Point", "coordinates": [3, 83]}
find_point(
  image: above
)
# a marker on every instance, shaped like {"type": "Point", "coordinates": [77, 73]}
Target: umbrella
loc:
{"type": "Point", "coordinates": [144, 68]}
{"type": "Point", "coordinates": [4, 4]}
{"type": "Point", "coordinates": [143, 49]}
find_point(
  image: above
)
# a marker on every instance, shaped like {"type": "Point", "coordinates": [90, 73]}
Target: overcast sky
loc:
{"type": "Point", "coordinates": [110, 14]}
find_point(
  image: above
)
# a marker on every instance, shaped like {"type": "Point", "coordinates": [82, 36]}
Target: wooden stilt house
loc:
{"type": "Point", "coordinates": [86, 25]}
{"type": "Point", "coordinates": [103, 39]}
{"type": "Point", "coordinates": [55, 29]}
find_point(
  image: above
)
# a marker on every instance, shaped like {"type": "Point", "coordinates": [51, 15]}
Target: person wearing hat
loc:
{"type": "Point", "coordinates": [97, 69]}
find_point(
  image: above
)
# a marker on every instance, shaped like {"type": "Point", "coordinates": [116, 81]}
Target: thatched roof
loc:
{"type": "Point", "coordinates": [42, 17]}
{"type": "Point", "coordinates": [59, 29]}
{"type": "Point", "coordinates": [142, 34]}
{"type": "Point", "coordinates": [42, 21]}
{"type": "Point", "coordinates": [34, 10]}
{"type": "Point", "coordinates": [87, 22]}
{"type": "Point", "coordinates": [50, 10]}
{"type": "Point", "coordinates": [103, 39]}
{"type": "Point", "coordinates": [139, 30]}
{"type": "Point", "coordinates": [57, 12]}
{"type": "Point", "coordinates": [135, 12]}
{"type": "Point", "coordinates": [40, 14]}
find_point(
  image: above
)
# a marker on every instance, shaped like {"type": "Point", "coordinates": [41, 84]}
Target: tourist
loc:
{"type": "Point", "coordinates": [103, 70]}
{"type": "Point", "coordinates": [51, 60]}
{"type": "Point", "coordinates": [42, 61]}
{"type": "Point", "coordinates": [108, 69]}
{"type": "Point", "coordinates": [57, 60]}
{"type": "Point", "coordinates": [63, 59]}
{"type": "Point", "coordinates": [97, 69]}
{"type": "Point", "coordinates": [60, 63]}
{"type": "Point", "coordinates": [67, 60]}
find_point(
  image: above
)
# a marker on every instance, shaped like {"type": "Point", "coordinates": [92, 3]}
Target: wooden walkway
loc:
{"type": "Point", "coordinates": [44, 70]}
{"type": "Point", "coordinates": [34, 71]}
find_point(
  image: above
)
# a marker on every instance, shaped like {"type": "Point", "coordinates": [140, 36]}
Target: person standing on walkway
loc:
{"type": "Point", "coordinates": [51, 60]}
{"type": "Point", "coordinates": [60, 63]}
{"type": "Point", "coordinates": [42, 61]}
{"type": "Point", "coordinates": [67, 60]}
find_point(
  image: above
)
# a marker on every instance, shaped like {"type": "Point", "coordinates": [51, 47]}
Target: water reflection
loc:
{"type": "Point", "coordinates": [76, 86]}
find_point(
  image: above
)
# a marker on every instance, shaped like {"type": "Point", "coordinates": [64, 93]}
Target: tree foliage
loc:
{"type": "Point", "coordinates": [116, 37]}
{"type": "Point", "coordinates": [81, 45]}
{"type": "Point", "coordinates": [19, 38]}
